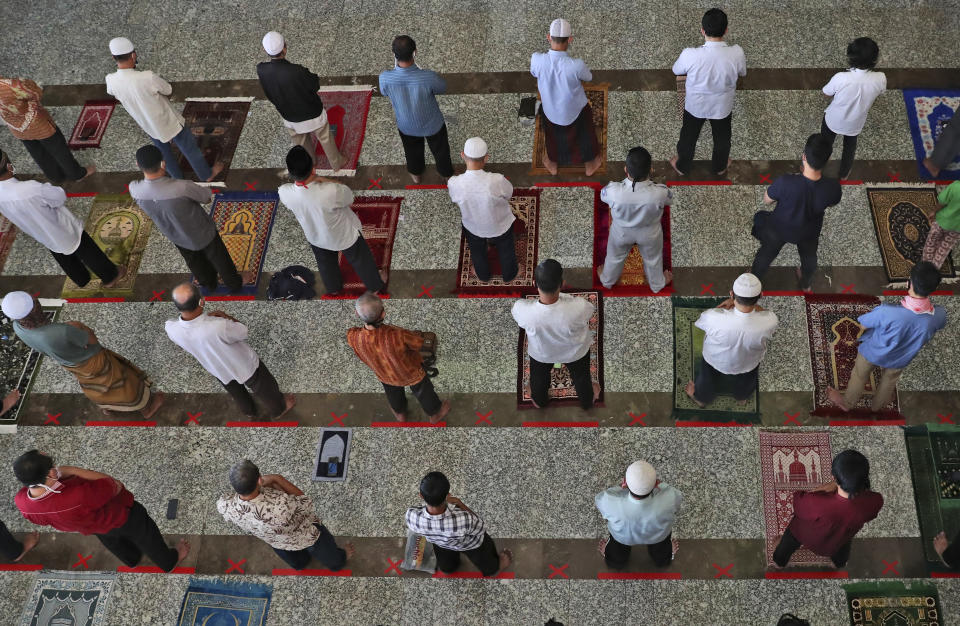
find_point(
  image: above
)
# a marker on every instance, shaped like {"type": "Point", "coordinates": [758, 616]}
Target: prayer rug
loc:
{"type": "Point", "coordinates": [791, 461]}
{"type": "Point", "coordinates": [597, 95]}
{"type": "Point", "coordinates": [893, 603]}
{"type": "Point", "coordinates": [526, 230]}
{"type": "Point", "coordinates": [687, 360]}
{"type": "Point", "coordinates": [67, 598]}
{"type": "Point", "coordinates": [120, 229]}
{"type": "Point", "coordinates": [209, 602]}
{"type": "Point", "coordinates": [378, 219]}
{"type": "Point", "coordinates": [8, 232]}
{"type": "Point", "coordinates": [245, 219]}
{"type": "Point", "coordinates": [562, 392]}
{"type": "Point", "coordinates": [834, 336]}
{"type": "Point", "coordinates": [633, 280]}
{"type": "Point", "coordinates": [18, 364]}
{"type": "Point", "coordinates": [92, 123]}
{"type": "Point", "coordinates": [928, 112]}
{"type": "Point", "coordinates": [934, 454]}
{"type": "Point", "coordinates": [347, 107]}
{"type": "Point", "coordinates": [901, 221]}
{"type": "Point", "coordinates": [216, 124]}
{"type": "Point", "coordinates": [681, 95]}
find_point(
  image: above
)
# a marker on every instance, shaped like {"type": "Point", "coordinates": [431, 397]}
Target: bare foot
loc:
{"type": "Point", "coordinates": [121, 272]}
{"type": "Point", "coordinates": [667, 277]}
{"type": "Point", "coordinates": [401, 417]}
{"type": "Point", "coordinates": [673, 164]}
{"type": "Point", "coordinates": [442, 413]}
{"type": "Point", "coordinates": [29, 542]}
{"type": "Point", "coordinates": [690, 389]}
{"type": "Point", "coordinates": [506, 558]}
{"type": "Point", "coordinates": [724, 170]}
{"type": "Point", "coordinates": [248, 276]}
{"type": "Point", "coordinates": [93, 168]}
{"type": "Point", "coordinates": [837, 398]}
{"type": "Point", "coordinates": [674, 548]}
{"type": "Point", "coordinates": [551, 166]}
{"type": "Point", "coordinates": [534, 403]}
{"type": "Point", "coordinates": [416, 178]}
{"type": "Point", "coordinates": [799, 274]}
{"type": "Point", "coordinates": [155, 402]}
{"type": "Point", "coordinates": [933, 169]}
{"type": "Point", "coordinates": [350, 550]}
{"type": "Point", "coordinates": [215, 170]}
{"type": "Point", "coordinates": [590, 167]}
{"type": "Point", "coordinates": [596, 392]}
{"type": "Point", "coordinates": [290, 400]}
{"type": "Point", "coordinates": [183, 549]}
{"type": "Point", "coordinates": [602, 546]}
{"type": "Point", "coordinates": [741, 402]}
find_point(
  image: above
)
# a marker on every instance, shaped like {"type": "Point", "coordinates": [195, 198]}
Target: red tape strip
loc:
{"type": "Point", "coordinates": [900, 422]}
{"type": "Point", "coordinates": [228, 298]}
{"type": "Point", "coordinates": [19, 567]}
{"type": "Point", "coordinates": [119, 423]}
{"type": "Point", "coordinates": [82, 300]}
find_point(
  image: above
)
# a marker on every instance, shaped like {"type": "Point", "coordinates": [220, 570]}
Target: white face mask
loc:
{"type": "Point", "coordinates": [57, 485]}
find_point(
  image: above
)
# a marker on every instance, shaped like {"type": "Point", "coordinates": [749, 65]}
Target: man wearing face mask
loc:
{"type": "Point", "coordinates": [72, 499]}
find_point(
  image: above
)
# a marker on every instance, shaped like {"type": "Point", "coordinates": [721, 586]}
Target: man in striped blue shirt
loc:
{"type": "Point", "coordinates": [412, 92]}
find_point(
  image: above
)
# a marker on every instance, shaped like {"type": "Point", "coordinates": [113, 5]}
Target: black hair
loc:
{"type": "Point", "coordinates": [862, 53]}
{"type": "Point", "coordinates": [149, 158]}
{"type": "Point", "coordinates": [120, 58]}
{"type": "Point", "coordinates": [638, 164]}
{"type": "Point", "coordinates": [191, 303]}
{"type": "Point", "coordinates": [548, 276]}
{"type": "Point", "coordinates": [299, 163]}
{"type": "Point", "coordinates": [403, 47]}
{"type": "Point", "coordinates": [741, 300]}
{"type": "Point", "coordinates": [924, 278]}
{"type": "Point", "coordinates": [817, 151]}
{"type": "Point", "coordinates": [560, 40]}
{"type": "Point", "coordinates": [434, 488]}
{"type": "Point", "coordinates": [32, 467]}
{"type": "Point", "coordinates": [244, 477]}
{"type": "Point", "coordinates": [851, 471]}
{"type": "Point", "coordinates": [714, 23]}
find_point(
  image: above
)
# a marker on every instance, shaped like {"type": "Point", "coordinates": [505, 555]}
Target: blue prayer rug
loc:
{"type": "Point", "coordinates": [68, 598]}
{"type": "Point", "coordinates": [220, 603]}
{"type": "Point", "coordinates": [928, 111]}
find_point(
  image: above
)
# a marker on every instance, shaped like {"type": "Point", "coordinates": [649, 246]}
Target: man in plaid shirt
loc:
{"type": "Point", "coordinates": [452, 528]}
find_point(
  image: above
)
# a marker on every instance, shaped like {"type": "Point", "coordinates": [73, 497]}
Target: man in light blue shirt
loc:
{"type": "Point", "coordinates": [641, 511]}
{"type": "Point", "coordinates": [412, 92]}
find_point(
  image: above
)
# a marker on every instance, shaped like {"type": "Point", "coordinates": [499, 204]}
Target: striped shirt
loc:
{"type": "Point", "coordinates": [454, 529]}
{"type": "Point", "coordinates": [21, 110]}
{"type": "Point", "coordinates": [392, 353]}
{"type": "Point", "coordinates": [412, 92]}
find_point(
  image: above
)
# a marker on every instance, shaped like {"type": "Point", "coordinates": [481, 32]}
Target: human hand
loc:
{"type": "Point", "coordinates": [454, 501]}
{"type": "Point", "coordinates": [623, 483]}
{"type": "Point", "coordinates": [726, 304]}
{"type": "Point", "coordinates": [940, 543]}
{"type": "Point", "coordinates": [830, 487]}
{"type": "Point", "coordinates": [222, 314]}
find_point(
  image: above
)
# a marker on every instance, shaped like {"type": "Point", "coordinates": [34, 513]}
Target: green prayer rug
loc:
{"type": "Point", "coordinates": [893, 604]}
{"type": "Point", "coordinates": [934, 454]}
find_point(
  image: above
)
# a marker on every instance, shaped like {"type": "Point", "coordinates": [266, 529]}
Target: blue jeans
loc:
{"type": "Point", "coordinates": [188, 146]}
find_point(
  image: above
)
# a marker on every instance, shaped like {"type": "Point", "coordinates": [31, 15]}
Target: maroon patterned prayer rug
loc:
{"type": "Point", "coordinates": [216, 124]}
{"type": "Point", "coordinates": [378, 216]}
{"type": "Point", "coordinates": [347, 107]}
{"type": "Point", "coordinates": [92, 123]}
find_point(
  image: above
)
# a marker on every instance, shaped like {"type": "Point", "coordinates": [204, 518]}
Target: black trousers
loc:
{"type": "Point", "coordinates": [484, 557]}
{"type": "Point", "coordinates": [139, 535]}
{"type": "Point", "coordinates": [705, 385]}
{"type": "Point", "coordinates": [579, 372]}
{"type": "Point", "coordinates": [439, 146]}
{"type": "Point", "coordinates": [849, 147]}
{"type": "Point", "coordinates": [506, 253]}
{"type": "Point", "coordinates": [54, 158]}
{"type": "Point", "coordinates": [9, 546]}
{"type": "Point", "coordinates": [361, 260]}
{"type": "Point", "coordinates": [423, 391]}
{"type": "Point", "coordinates": [265, 389]}
{"type": "Point", "coordinates": [87, 255]}
{"type": "Point", "coordinates": [213, 259]}
{"type": "Point", "coordinates": [789, 544]}
{"type": "Point", "coordinates": [690, 132]}
{"type": "Point", "coordinates": [770, 245]}
{"type": "Point", "coordinates": [617, 554]}
{"type": "Point", "coordinates": [325, 550]}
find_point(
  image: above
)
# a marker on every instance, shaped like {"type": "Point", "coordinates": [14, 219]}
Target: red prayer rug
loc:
{"type": "Point", "coordinates": [834, 337]}
{"type": "Point", "coordinates": [562, 392]}
{"type": "Point", "coordinates": [92, 123]}
{"type": "Point", "coordinates": [347, 107]}
{"type": "Point", "coordinates": [216, 124]}
{"type": "Point", "coordinates": [244, 220]}
{"type": "Point", "coordinates": [8, 232]}
{"type": "Point", "coordinates": [378, 216]}
{"type": "Point", "coordinates": [526, 231]}
{"type": "Point", "coordinates": [791, 461]}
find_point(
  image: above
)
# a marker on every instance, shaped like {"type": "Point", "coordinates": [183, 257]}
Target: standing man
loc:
{"type": "Point", "coordinates": [944, 230]}
{"type": "Point", "coordinates": [176, 208]}
{"type": "Point", "coordinates": [558, 332]}
{"type": "Point", "coordinates": [413, 93]}
{"type": "Point", "coordinates": [485, 211]}
{"type": "Point", "coordinates": [712, 71]}
{"type": "Point", "coordinates": [31, 123]}
{"type": "Point", "coordinates": [946, 148]}
{"type": "Point", "coordinates": [293, 89]}
{"type": "Point", "coordinates": [76, 500]}
{"type": "Point", "coordinates": [219, 343]}
{"type": "Point", "coordinates": [144, 95]}
{"type": "Point", "coordinates": [565, 113]}
{"type": "Point", "coordinates": [801, 201]}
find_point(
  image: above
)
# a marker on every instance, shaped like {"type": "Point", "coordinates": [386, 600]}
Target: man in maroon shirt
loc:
{"type": "Point", "coordinates": [826, 519]}
{"type": "Point", "coordinates": [72, 499]}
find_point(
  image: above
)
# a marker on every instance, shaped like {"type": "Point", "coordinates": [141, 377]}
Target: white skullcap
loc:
{"type": "Point", "coordinates": [17, 305]}
{"type": "Point", "coordinates": [273, 43]}
{"type": "Point", "coordinates": [747, 286]}
{"type": "Point", "coordinates": [120, 45]}
{"type": "Point", "coordinates": [641, 478]}
{"type": "Point", "coordinates": [475, 148]}
{"type": "Point", "coordinates": [560, 28]}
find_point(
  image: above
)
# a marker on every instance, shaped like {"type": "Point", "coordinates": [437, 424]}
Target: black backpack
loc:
{"type": "Point", "coordinates": [789, 619]}
{"type": "Point", "coordinates": [294, 282]}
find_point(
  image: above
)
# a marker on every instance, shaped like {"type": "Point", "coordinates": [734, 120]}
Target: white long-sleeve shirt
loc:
{"type": "Point", "coordinates": [144, 96]}
{"type": "Point", "coordinates": [218, 343]}
{"type": "Point", "coordinates": [38, 209]}
{"type": "Point", "coordinates": [484, 201]}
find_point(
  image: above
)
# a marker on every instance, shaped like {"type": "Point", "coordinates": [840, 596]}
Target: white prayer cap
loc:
{"type": "Point", "coordinates": [120, 46]}
{"type": "Point", "coordinates": [273, 43]}
{"type": "Point", "coordinates": [747, 286]}
{"type": "Point", "coordinates": [17, 305]}
{"type": "Point", "coordinates": [560, 28]}
{"type": "Point", "coordinates": [475, 148]}
{"type": "Point", "coordinates": [641, 478]}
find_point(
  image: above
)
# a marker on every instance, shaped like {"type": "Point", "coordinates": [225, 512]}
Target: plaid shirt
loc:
{"type": "Point", "coordinates": [454, 529]}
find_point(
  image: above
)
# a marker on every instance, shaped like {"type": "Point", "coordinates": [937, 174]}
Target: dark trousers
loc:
{"type": "Point", "coordinates": [690, 132]}
{"type": "Point", "coordinates": [139, 535]}
{"type": "Point", "coordinates": [9, 546]}
{"type": "Point", "coordinates": [439, 146]}
{"type": "Point", "coordinates": [789, 544]}
{"type": "Point", "coordinates": [617, 554]}
{"type": "Point", "coordinates": [770, 245]}
{"type": "Point", "coordinates": [705, 385]}
{"type": "Point", "coordinates": [579, 372]}
{"type": "Point", "coordinates": [849, 148]}
{"type": "Point", "coordinates": [265, 389]}
{"type": "Point", "coordinates": [87, 255]}
{"type": "Point", "coordinates": [423, 391]}
{"type": "Point", "coordinates": [506, 253]}
{"type": "Point", "coordinates": [54, 158]}
{"type": "Point", "coordinates": [484, 557]}
{"type": "Point", "coordinates": [211, 260]}
{"type": "Point", "coordinates": [361, 260]}
{"type": "Point", "coordinates": [325, 550]}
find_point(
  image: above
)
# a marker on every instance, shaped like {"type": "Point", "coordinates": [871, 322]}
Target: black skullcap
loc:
{"type": "Point", "coordinates": [149, 157]}
{"type": "Point", "coordinates": [299, 163]}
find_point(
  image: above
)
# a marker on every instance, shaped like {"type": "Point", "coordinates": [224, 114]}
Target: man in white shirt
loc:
{"type": "Point", "coordinates": [219, 343]}
{"type": "Point", "coordinates": [565, 114]}
{"type": "Point", "coordinates": [144, 96]}
{"type": "Point", "coordinates": [738, 332]}
{"type": "Point", "coordinates": [712, 71]}
{"type": "Point", "coordinates": [484, 201]}
{"type": "Point", "coordinates": [322, 206]}
{"type": "Point", "coordinates": [853, 92]}
{"type": "Point", "coordinates": [558, 333]}
{"type": "Point", "coordinates": [38, 209]}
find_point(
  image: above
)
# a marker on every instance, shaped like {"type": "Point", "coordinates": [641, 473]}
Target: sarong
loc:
{"type": "Point", "coordinates": [574, 144]}
{"type": "Point", "coordinates": [112, 382]}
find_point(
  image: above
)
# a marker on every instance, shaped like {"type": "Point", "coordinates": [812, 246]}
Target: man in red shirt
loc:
{"type": "Point", "coordinates": [72, 499]}
{"type": "Point", "coordinates": [826, 519]}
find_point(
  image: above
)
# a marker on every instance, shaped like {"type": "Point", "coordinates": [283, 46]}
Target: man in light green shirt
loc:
{"type": "Point", "coordinates": [944, 226]}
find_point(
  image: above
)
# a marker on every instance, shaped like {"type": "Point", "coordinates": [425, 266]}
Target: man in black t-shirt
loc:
{"type": "Point", "coordinates": [798, 217]}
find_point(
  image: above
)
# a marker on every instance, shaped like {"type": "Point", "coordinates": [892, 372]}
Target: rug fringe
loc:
{"type": "Point", "coordinates": [341, 172]}
{"type": "Point", "coordinates": [233, 99]}
{"type": "Point", "coordinates": [345, 88]}
{"type": "Point", "coordinates": [211, 184]}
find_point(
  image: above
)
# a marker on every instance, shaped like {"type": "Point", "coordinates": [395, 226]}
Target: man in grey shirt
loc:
{"type": "Point", "coordinates": [176, 208]}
